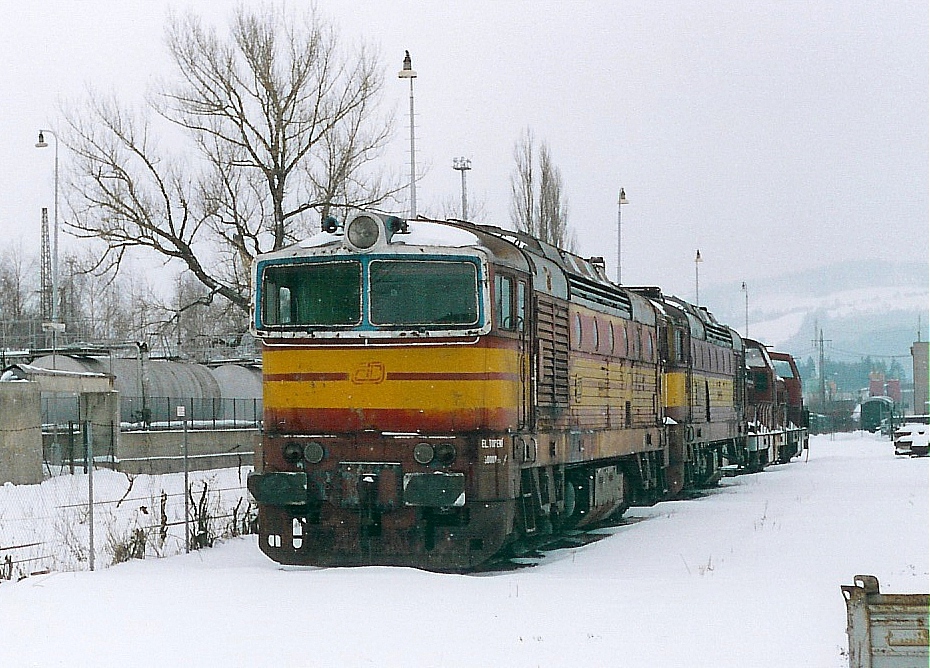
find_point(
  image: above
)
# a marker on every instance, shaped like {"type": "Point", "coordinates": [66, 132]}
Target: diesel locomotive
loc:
{"type": "Point", "coordinates": [437, 393]}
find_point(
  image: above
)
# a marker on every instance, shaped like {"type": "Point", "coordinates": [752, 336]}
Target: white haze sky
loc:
{"type": "Point", "coordinates": [768, 134]}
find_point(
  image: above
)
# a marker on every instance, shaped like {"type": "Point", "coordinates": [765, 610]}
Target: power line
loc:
{"type": "Point", "coordinates": [847, 352]}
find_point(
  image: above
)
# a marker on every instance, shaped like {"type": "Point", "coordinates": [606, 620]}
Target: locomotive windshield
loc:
{"type": "Point", "coordinates": [319, 293]}
{"type": "Point", "coordinates": [371, 293]}
{"type": "Point", "coordinates": [783, 368]}
{"type": "Point", "coordinates": [418, 292]}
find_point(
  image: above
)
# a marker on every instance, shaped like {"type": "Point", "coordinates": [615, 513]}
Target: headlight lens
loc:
{"type": "Point", "coordinates": [423, 453]}
{"type": "Point", "coordinates": [292, 452]}
{"type": "Point", "coordinates": [313, 452]}
{"type": "Point", "coordinates": [445, 453]}
{"type": "Point", "coordinates": [362, 232]}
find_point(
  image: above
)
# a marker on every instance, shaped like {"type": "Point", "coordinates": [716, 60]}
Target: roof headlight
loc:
{"type": "Point", "coordinates": [363, 232]}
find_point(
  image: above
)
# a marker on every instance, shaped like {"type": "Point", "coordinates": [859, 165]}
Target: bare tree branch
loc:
{"type": "Point", "coordinates": [282, 120]}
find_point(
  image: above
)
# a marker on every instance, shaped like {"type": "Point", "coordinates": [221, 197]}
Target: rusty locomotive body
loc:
{"type": "Point", "coordinates": [438, 392]}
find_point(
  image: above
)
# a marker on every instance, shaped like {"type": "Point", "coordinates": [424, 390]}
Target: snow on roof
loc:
{"type": "Point", "coordinates": [20, 371]}
{"type": "Point", "coordinates": [320, 239]}
{"type": "Point", "coordinates": [426, 233]}
{"type": "Point", "coordinates": [421, 233]}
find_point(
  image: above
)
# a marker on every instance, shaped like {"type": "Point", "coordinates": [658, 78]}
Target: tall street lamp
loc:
{"type": "Point", "coordinates": [407, 72]}
{"type": "Point", "coordinates": [463, 165]}
{"type": "Point", "coordinates": [697, 289]}
{"type": "Point", "coordinates": [746, 294]}
{"type": "Point", "coordinates": [620, 202]}
{"type": "Point", "coordinates": [42, 144]}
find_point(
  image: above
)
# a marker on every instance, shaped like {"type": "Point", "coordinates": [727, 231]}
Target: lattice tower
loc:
{"type": "Point", "coordinates": [46, 270]}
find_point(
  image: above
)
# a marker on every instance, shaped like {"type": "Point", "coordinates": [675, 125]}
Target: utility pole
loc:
{"type": "Point", "coordinates": [818, 342]}
{"type": "Point", "coordinates": [823, 380]}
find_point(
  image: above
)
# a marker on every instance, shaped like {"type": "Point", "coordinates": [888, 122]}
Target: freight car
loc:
{"type": "Point", "coordinates": [437, 392]}
{"type": "Point", "coordinates": [876, 411]}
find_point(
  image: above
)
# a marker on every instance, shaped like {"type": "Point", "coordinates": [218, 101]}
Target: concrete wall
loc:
{"type": "Point", "coordinates": [156, 452]}
{"type": "Point", "coordinates": [20, 433]}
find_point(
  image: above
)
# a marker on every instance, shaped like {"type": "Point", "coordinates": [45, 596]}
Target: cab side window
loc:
{"type": "Point", "coordinates": [510, 303]}
{"type": "Point", "coordinates": [503, 290]}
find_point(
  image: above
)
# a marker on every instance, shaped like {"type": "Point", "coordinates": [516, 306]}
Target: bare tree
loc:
{"type": "Point", "coordinates": [16, 302]}
{"type": "Point", "coordinates": [552, 209]}
{"type": "Point", "coordinates": [450, 208]}
{"type": "Point", "coordinates": [20, 307]}
{"type": "Point", "coordinates": [537, 204]}
{"type": "Point", "coordinates": [283, 121]}
{"type": "Point", "coordinates": [522, 184]}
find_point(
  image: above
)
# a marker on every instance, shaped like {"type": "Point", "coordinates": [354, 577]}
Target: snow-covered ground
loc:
{"type": "Point", "coordinates": [45, 526]}
{"type": "Point", "coordinates": [748, 575]}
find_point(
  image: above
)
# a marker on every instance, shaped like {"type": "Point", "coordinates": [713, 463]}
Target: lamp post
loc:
{"type": "Point", "coordinates": [463, 165]}
{"type": "Point", "coordinates": [620, 202]}
{"type": "Point", "coordinates": [407, 72]}
{"type": "Point", "coordinates": [42, 144]}
{"type": "Point", "coordinates": [746, 294]}
{"type": "Point", "coordinates": [697, 289]}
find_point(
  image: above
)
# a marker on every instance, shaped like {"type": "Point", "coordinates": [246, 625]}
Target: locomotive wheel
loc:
{"type": "Point", "coordinates": [570, 499]}
{"type": "Point", "coordinates": [567, 518]}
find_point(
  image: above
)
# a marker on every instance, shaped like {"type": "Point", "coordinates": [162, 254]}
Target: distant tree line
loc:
{"type": "Point", "coordinates": [109, 310]}
{"type": "Point", "coordinates": [850, 376]}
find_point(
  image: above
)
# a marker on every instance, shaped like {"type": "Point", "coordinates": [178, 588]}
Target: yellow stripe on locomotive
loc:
{"type": "Point", "coordinates": [461, 386]}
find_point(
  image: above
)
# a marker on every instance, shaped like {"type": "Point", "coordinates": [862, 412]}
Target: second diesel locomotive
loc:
{"type": "Point", "coordinates": [438, 392]}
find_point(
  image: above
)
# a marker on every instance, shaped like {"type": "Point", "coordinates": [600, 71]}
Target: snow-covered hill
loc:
{"type": "Point", "coordinates": [863, 311]}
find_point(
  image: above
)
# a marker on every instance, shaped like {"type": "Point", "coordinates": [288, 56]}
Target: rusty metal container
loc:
{"type": "Point", "coordinates": [885, 630]}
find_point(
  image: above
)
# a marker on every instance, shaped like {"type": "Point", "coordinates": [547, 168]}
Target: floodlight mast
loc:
{"type": "Point", "coordinates": [463, 165]}
{"type": "Point", "coordinates": [42, 144]}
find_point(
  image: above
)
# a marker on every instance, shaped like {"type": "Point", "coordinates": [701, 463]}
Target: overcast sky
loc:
{"type": "Point", "coordinates": [767, 134]}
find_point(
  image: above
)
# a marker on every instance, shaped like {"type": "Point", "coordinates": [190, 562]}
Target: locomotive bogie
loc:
{"type": "Point", "coordinates": [436, 539]}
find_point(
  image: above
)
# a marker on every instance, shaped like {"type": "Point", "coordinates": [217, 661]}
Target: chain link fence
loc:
{"type": "Point", "coordinates": [87, 516]}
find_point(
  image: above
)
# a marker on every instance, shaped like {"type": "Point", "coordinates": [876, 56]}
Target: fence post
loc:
{"type": "Point", "coordinates": [89, 464]}
{"type": "Point", "coordinates": [71, 446]}
{"type": "Point", "coordinates": [187, 510]}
